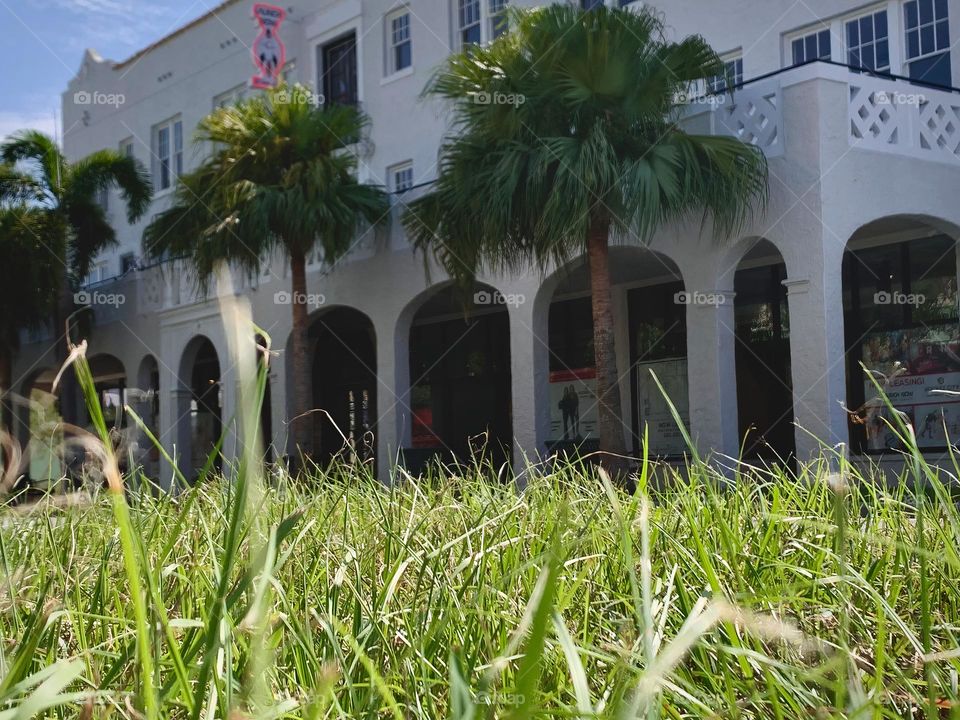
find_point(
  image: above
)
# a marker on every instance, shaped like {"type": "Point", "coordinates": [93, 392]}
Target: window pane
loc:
{"type": "Point", "coordinates": [403, 56]}
{"type": "Point", "coordinates": [866, 29]}
{"type": "Point", "coordinates": [853, 34]}
{"type": "Point", "coordinates": [910, 12]}
{"type": "Point", "coordinates": [926, 11]}
{"type": "Point", "coordinates": [926, 40]}
{"type": "Point", "coordinates": [825, 44]}
{"type": "Point", "coordinates": [883, 55]}
{"type": "Point", "coordinates": [797, 52]}
{"type": "Point", "coordinates": [880, 24]}
{"type": "Point", "coordinates": [941, 9]}
{"type": "Point", "coordinates": [811, 47]}
{"type": "Point", "coordinates": [913, 43]}
{"type": "Point", "coordinates": [943, 35]}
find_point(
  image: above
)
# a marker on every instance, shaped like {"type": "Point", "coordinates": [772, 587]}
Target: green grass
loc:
{"type": "Point", "coordinates": [453, 597]}
{"type": "Point", "coordinates": [767, 595]}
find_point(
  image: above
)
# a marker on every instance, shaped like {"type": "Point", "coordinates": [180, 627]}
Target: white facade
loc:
{"type": "Point", "coordinates": [853, 159]}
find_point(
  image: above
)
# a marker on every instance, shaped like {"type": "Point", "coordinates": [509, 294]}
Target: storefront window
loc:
{"type": "Point", "coordinates": [658, 339]}
{"type": "Point", "coordinates": [902, 325]}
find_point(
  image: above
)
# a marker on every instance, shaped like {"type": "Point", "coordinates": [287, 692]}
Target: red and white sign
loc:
{"type": "Point", "coordinates": [269, 53]}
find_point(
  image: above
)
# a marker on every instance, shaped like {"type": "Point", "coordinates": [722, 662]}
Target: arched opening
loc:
{"type": "Point", "coordinates": [764, 381]}
{"type": "Point", "coordinates": [902, 330]}
{"type": "Point", "coordinates": [344, 362]}
{"type": "Point", "coordinates": [110, 383]}
{"type": "Point", "coordinates": [147, 402]}
{"type": "Point", "coordinates": [200, 406]}
{"type": "Point", "coordinates": [41, 429]}
{"type": "Point", "coordinates": [460, 393]}
{"type": "Point", "coordinates": [649, 307]}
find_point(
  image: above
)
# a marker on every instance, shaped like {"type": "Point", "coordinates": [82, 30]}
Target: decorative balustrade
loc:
{"type": "Point", "coordinates": [897, 117]}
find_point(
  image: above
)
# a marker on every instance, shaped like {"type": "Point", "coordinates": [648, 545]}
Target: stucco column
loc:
{"type": "Point", "coordinates": [175, 430]}
{"type": "Point", "coordinates": [712, 371]}
{"type": "Point", "coordinates": [529, 377]}
{"type": "Point", "coordinates": [818, 360]}
{"type": "Point", "coordinates": [394, 420]}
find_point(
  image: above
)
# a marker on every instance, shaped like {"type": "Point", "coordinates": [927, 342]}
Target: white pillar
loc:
{"type": "Point", "coordinates": [818, 359]}
{"type": "Point", "coordinates": [529, 377]}
{"type": "Point", "coordinates": [712, 371]}
{"type": "Point", "coordinates": [394, 421]}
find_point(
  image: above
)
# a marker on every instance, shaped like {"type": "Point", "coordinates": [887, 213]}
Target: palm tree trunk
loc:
{"type": "Point", "coordinates": [6, 380]}
{"type": "Point", "coordinates": [69, 390]}
{"type": "Point", "coordinates": [302, 423]}
{"type": "Point", "coordinates": [609, 414]}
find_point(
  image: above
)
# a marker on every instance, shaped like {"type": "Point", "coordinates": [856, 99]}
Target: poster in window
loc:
{"type": "Point", "coordinates": [665, 437]}
{"type": "Point", "coordinates": [573, 405]}
{"type": "Point", "coordinates": [914, 367]}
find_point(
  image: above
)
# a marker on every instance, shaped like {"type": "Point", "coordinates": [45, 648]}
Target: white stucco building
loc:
{"type": "Point", "coordinates": [854, 259]}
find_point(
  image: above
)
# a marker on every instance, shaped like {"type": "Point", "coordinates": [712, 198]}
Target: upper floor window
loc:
{"type": "Point", "coordinates": [230, 97]}
{"type": "Point", "coordinates": [469, 22]}
{"type": "Point", "coordinates": [103, 198]}
{"type": "Point", "coordinates": [868, 42]}
{"type": "Point", "coordinates": [731, 78]}
{"type": "Point", "coordinates": [814, 46]}
{"type": "Point", "coordinates": [126, 147]}
{"type": "Point", "coordinates": [927, 40]}
{"type": "Point", "coordinates": [480, 21]}
{"type": "Point", "coordinates": [168, 153]}
{"type": "Point", "coordinates": [499, 22]}
{"type": "Point", "coordinates": [96, 273]}
{"type": "Point", "coordinates": [128, 262]}
{"type": "Point", "coordinates": [401, 176]}
{"type": "Point", "coordinates": [399, 44]}
{"type": "Point", "coordinates": [338, 70]}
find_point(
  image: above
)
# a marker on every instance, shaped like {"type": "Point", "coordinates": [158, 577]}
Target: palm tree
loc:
{"type": "Point", "coordinates": [74, 222]}
{"type": "Point", "coordinates": [565, 135]}
{"type": "Point", "coordinates": [30, 277]}
{"type": "Point", "coordinates": [280, 177]}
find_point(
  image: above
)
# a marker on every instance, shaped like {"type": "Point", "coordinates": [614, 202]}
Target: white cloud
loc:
{"type": "Point", "coordinates": [11, 122]}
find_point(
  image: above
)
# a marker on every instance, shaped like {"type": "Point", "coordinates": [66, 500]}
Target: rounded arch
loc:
{"type": "Point", "coordinates": [749, 250]}
{"type": "Point", "coordinates": [763, 354]}
{"type": "Point", "coordinates": [39, 426]}
{"type": "Point", "coordinates": [199, 405]}
{"type": "Point", "coordinates": [453, 357]}
{"type": "Point", "coordinates": [110, 383]}
{"type": "Point", "coordinates": [146, 399]}
{"type": "Point", "coordinates": [649, 315]}
{"type": "Point", "coordinates": [342, 354]}
{"type": "Point", "coordinates": [901, 329]}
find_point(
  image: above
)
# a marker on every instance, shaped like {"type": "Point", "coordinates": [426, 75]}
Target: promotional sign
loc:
{"type": "Point", "coordinates": [573, 405]}
{"type": "Point", "coordinates": [665, 437]}
{"type": "Point", "coordinates": [269, 53]}
{"type": "Point", "coordinates": [914, 367]}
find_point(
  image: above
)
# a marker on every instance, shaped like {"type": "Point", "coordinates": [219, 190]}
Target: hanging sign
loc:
{"type": "Point", "coordinates": [269, 53]}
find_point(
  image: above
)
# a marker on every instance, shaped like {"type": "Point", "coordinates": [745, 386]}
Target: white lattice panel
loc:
{"type": "Point", "coordinates": [874, 119]}
{"type": "Point", "coordinates": [905, 119]}
{"type": "Point", "coordinates": [753, 115]}
{"type": "Point", "coordinates": [939, 128]}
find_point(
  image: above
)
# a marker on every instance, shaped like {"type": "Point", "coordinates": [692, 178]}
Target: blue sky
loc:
{"type": "Point", "coordinates": [46, 40]}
